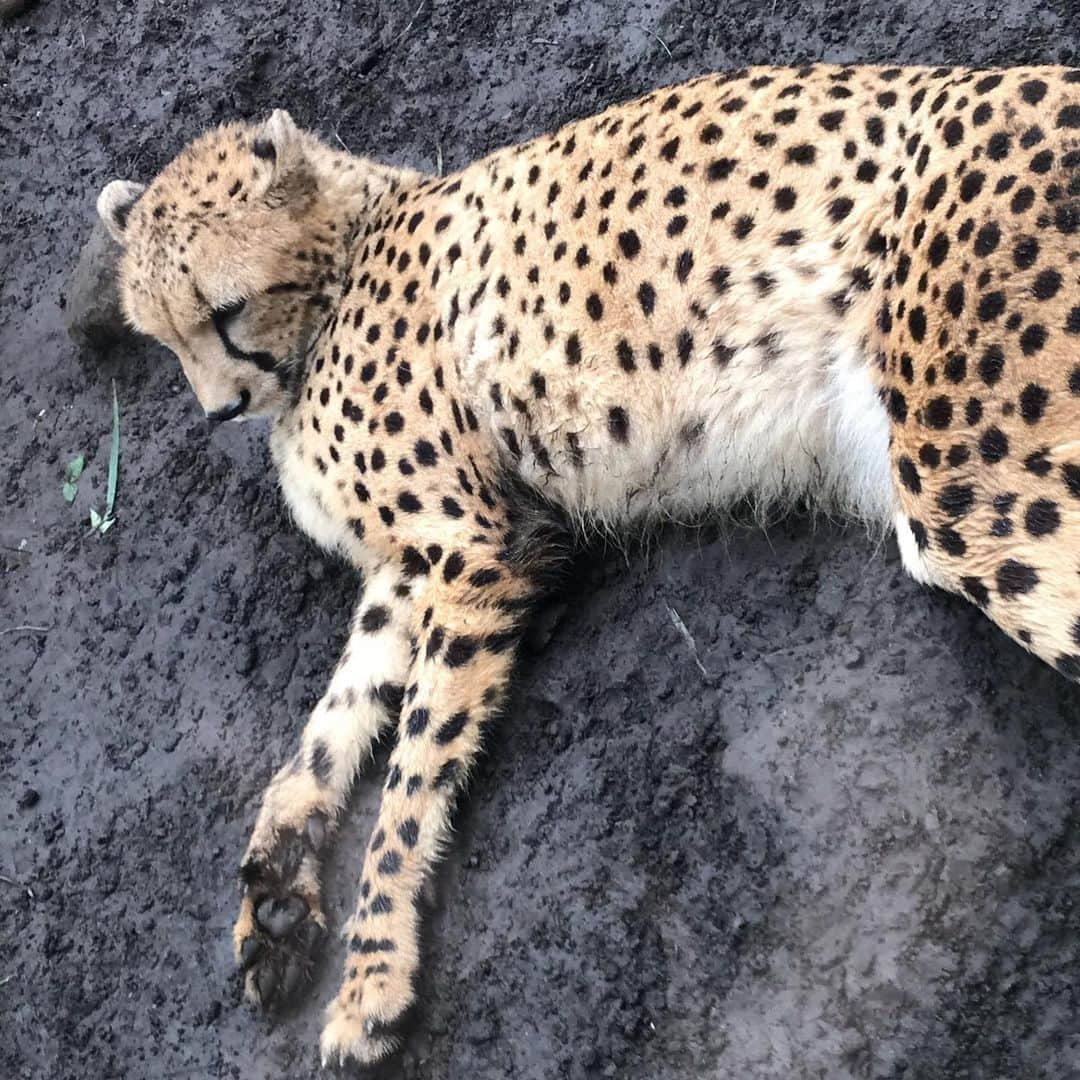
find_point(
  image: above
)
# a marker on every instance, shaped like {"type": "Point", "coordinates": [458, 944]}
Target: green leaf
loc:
{"type": "Point", "coordinates": [114, 455]}
{"type": "Point", "coordinates": [95, 519]}
{"type": "Point", "coordinates": [70, 491]}
{"type": "Point", "coordinates": [74, 469]}
{"type": "Point", "coordinates": [106, 525]}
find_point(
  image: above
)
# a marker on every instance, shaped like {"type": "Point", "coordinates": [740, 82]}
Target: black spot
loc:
{"type": "Point", "coordinates": [992, 364]}
{"type": "Point", "coordinates": [939, 248]}
{"type": "Point", "coordinates": [918, 531]}
{"type": "Point", "coordinates": [1069, 117]}
{"type": "Point", "coordinates": [955, 367]}
{"type": "Point", "coordinates": [993, 445]}
{"type": "Point", "coordinates": [1022, 200]}
{"type": "Point", "coordinates": [1015, 578]}
{"type": "Point", "coordinates": [978, 592]}
{"type": "Point", "coordinates": [646, 297]}
{"type": "Point", "coordinates": [453, 566]}
{"type": "Point", "coordinates": [374, 618]}
{"type": "Point", "coordinates": [971, 185]}
{"type": "Point", "coordinates": [1033, 339]}
{"type": "Point", "coordinates": [447, 773]}
{"type": "Point", "coordinates": [909, 475]}
{"type": "Point", "coordinates": [952, 543]}
{"type": "Point", "coordinates": [939, 413]}
{"type": "Point", "coordinates": [381, 905]}
{"type": "Point", "coordinates": [573, 349]}
{"type": "Point", "coordinates": [897, 406]}
{"type": "Point", "coordinates": [935, 192]}
{"type": "Point", "coordinates": [991, 305]}
{"type": "Point", "coordinates": [720, 279]}
{"type": "Point", "coordinates": [265, 149]}
{"type": "Point", "coordinates": [460, 650]}
{"type": "Point", "coordinates": [320, 761]}
{"type": "Point", "coordinates": [618, 424]}
{"type": "Point", "coordinates": [956, 500]}
{"type": "Point", "coordinates": [629, 243]}
{"type": "Point", "coordinates": [958, 455]}
{"type": "Point", "coordinates": [389, 695]}
{"type": "Point", "coordinates": [997, 146]}
{"type": "Point", "coordinates": [720, 169]}
{"type": "Point", "coordinates": [1071, 475]}
{"type": "Point", "coordinates": [840, 208]}
{"type": "Point", "coordinates": [1042, 517]}
{"type": "Point", "coordinates": [453, 727]}
{"type": "Point", "coordinates": [954, 299]}
{"type": "Point", "coordinates": [413, 562]}
{"type": "Point", "coordinates": [1033, 91]}
{"type": "Point", "coordinates": [417, 722]}
{"type": "Point", "coordinates": [1033, 399]}
{"type": "Point", "coordinates": [803, 154]}
{"type": "Point", "coordinates": [389, 864]}
{"type": "Point", "coordinates": [987, 238]}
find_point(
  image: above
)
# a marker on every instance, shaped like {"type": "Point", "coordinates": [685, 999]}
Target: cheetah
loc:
{"type": "Point", "coordinates": [851, 287]}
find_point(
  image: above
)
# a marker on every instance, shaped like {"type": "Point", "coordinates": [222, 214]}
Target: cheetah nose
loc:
{"type": "Point", "coordinates": [230, 411]}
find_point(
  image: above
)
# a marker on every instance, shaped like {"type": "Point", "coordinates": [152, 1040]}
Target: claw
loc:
{"type": "Point", "coordinates": [290, 977]}
{"type": "Point", "coordinates": [315, 831]}
{"type": "Point", "coordinates": [266, 981]}
{"type": "Point", "coordinates": [249, 953]}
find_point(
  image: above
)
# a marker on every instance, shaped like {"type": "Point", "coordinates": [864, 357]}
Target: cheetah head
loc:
{"type": "Point", "coordinates": [230, 257]}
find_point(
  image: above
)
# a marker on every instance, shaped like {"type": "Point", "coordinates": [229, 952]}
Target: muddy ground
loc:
{"type": "Point", "coordinates": [846, 845]}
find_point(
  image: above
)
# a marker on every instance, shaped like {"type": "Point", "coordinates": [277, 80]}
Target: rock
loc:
{"type": "Point", "coordinates": [29, 798]}
{"type": "Point", "coordinates": [93, 315]}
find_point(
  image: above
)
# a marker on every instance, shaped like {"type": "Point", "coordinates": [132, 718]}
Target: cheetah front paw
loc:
{"type": "Point", "coordinates": [281, 921]}
{"type": "Point", "coordinates": [364, 1022]}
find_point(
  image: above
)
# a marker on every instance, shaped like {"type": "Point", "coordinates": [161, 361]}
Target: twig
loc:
{"type": "Point", "coordinates": [544, 41]}
{"type": "Point", "coordinates": [653, 33]}
{"type": "Point", "coordinates": [685, 634]}
{"type": "Point", "coordinates": [20, 629]}
{"type": "Point", "coordinates": [438, 159]}
{"type": "Point", "coordinates": [408, 25]}
{"type": "Point", "coordinates": [6, 979]}
{"type": "Point", "coordinates": [17, 884]}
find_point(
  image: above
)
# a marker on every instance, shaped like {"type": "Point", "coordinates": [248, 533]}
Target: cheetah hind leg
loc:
{"type": "Point", "coordinates": [281, 921]}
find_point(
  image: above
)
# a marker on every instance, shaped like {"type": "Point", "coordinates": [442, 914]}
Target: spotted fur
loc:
{"type": "Point", "coordinates": [854, 285]}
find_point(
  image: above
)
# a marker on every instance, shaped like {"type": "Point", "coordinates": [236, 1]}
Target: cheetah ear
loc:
{"type": "Point", "coordinates": [114, 205]}
{"type": "Point", "coordinates": [278, 144]}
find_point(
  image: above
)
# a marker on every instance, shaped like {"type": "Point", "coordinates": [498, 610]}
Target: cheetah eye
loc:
{"type": "Point", "coordinates": [229, 312]}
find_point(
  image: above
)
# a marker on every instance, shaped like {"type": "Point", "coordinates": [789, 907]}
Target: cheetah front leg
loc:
{"type": "Point", "coordinates": [281, 917]}
{"type": "Point", "coordinates": [465, 643]}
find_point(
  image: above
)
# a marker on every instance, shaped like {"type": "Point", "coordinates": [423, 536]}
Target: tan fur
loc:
{"type": "Point", "coordinates": [772, 285]}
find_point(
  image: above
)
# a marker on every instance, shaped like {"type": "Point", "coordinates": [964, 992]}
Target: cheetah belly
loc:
{"type": "Point", "coordinates": [306, 502]}
{"type": "Point", "coordinates": [806, 421]}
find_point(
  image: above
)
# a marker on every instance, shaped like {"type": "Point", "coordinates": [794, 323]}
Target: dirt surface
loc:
{"type": "Point", "coordinates": [845, 845]}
